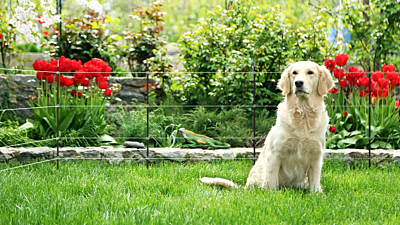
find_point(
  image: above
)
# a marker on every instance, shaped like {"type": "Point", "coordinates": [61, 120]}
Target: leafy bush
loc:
{"type": "Point", "coordinates": [86, 38]}
{"type": "Point", "coordinates": [143, 42]}
{"type": "Point", "coordinates": [221, 50]}
{"type": "Point", "coordinates": [375, 32]}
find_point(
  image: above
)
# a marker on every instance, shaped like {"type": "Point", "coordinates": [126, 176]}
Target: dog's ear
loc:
{"type": "Point", "coordinates": [325, 82]}
{"type": "Point", "coordinates": [284, 82]}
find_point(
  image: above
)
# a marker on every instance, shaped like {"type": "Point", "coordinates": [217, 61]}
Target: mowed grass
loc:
{"type": "Point", "coordinates": [99, 193]}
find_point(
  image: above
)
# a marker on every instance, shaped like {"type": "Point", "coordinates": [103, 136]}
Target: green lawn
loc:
{"type": "Point", "coordinates": [99, 193]}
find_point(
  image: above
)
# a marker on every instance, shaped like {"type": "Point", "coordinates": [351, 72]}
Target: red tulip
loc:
{"type": "Point", "coordinates": [84, 82]}
{"type": "Point", "coordinates": [373, 99]}
{"type": "Point", "coordinates": [357, 73]}
{"type": "Point", "coordinates": [108, 92]}
{"type": "Point", "coordinates": [339, 73]}
{"type": "Point", "coordinates": [103, 85]}
{"type": "Point", "coordinates": [330, 64]}
{"type": "Point", "coordinates": [383, 92]}
{"type": "Point", "coordinates": [376, 75]}
{"type": "Point", "coordinates": [50, 78]}
{"type": "Point", "coordinates": [363, 93]}
{"type": "Point", "coordinates": [76, 65]}
{"type": "Point", "coordinates": [394, 81]}
{"type": "Point", "coordinates": [345, 114]}
{"type": "Point", "coordinates": [107, 71]}
{"type": "Point", "coordinates": [1, 35]}
{"type": "Point", "coordinates": [363, 82]}
{"type": "Point", "coordinates": [383, 83]}
{"type": "Point", "coordinates": [73, 92]}
{"type": "Point", "coordinates": [388, 68]}
{"type": "Point", "coordinates": [333, 90]}
{"type": "Point", "coordinates": [40, 76]}
{"type": "Point", "coordinates": [397, 104]}
{"type": "Point", "coordinates": [332, 129]}
{"type": "Point", "coordinates": [343, 83]}
{"type": "Point", "coordinates": [341, 59]}
{"type": "Point", "coordinates": [45, 33]}
{"type": "Point", "coordinates": [68, 82]}
{"type": "Point", "coordinates": [79, 74]}
{"type": "Point", "coordinates": [40, 65]}
{"type": "Point", "coordinates": [351, 78]}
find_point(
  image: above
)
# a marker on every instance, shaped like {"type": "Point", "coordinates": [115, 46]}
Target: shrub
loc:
{"type": "Point", "coordinates": [143, 42]}
{"type": "Point", "coordinates": [221, 50]}
{"type": "Point", "coordinates": [375, 32]}
{"type": "Point", "coordinates": [86, 38]}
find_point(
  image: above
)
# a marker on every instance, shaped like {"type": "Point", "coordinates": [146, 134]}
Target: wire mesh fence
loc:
{"type": "Point", "coordinates": [57, 107]}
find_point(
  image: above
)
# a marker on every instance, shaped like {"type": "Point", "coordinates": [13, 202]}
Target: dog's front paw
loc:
{"type": "Point", "coordinates": [317, 189]}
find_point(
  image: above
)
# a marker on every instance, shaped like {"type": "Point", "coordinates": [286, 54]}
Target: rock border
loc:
{"type": "Point", "coordinates": [123, 154]}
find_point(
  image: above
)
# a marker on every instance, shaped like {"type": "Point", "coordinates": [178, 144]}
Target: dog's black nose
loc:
{"type": "Point", "coordinates": [299, 83]}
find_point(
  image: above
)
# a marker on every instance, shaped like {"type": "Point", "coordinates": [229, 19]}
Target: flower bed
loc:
{"type": "Point", "coordinates": [348, 104]}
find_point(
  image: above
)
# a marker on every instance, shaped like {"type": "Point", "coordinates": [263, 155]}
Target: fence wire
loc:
{"type": "Point", "coordinates": [149, 106]}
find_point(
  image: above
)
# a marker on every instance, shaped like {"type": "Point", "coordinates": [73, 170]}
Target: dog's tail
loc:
{"type": "Point", "coordinates": [219, 182]}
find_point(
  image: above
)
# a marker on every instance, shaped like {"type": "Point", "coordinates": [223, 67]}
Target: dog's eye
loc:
{"type": "Point", "coordinates": [310, 72]}
{"type": "Point", "coordinates": [295, 72]}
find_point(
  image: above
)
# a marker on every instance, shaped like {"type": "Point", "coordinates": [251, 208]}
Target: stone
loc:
{"type": "Point", "coordinates": [113, 156]}
{"type": "Point", "coordinates": [38, 153]}
{"type": "Point", "coordinates": [156, 155]}
{"type": "Point", "coordinates": [133, 144]}
{"type": "Point", "coordinates": [90, 154]}
{"type": "Point", "coordinates": [69, 154]}
{"type": "Point", "coordinates": [127, 93]}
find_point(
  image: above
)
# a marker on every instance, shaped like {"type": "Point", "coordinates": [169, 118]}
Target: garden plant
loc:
{"type": "Point", "coordinates": [82, 97]}
{"type": "Point", "coordinates": [348, 105]}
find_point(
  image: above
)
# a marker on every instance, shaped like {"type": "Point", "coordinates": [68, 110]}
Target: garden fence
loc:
{"type": "Point", "coordinates": [148, 108]}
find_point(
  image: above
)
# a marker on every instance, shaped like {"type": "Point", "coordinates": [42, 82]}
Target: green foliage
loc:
{"type": "Point", "coordinates": [353, 129]}
{"type": "Point", "coordinates": [132, 126]}
{"type": "Point", "coordinates": [9, 136]}
{"type": "Point", "coordinates": [375, 31]}
{"type": "Point", "coordinates": [79, 115]}
{"type": "Point", "coordinates": [222, 49]}
{"type": "Point", "coordinates": [86, 38]}
{"type": "Point", "coordinates": [234, 126]}
{"type": "Point", "coordinates": [144, 39]}
{"type": "Point", "coordinates": [9, 36]}
{"type": "Point", "coordinates": [28, 47]}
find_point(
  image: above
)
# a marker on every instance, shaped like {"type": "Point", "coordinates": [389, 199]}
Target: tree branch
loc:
{"type": "Point", "coordinates": [319, 7]}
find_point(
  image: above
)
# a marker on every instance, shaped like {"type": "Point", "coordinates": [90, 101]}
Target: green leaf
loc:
{"type": "Point", "coordinates": [65, 124]}
{"type": "Point", "coordinates": [107, 139]}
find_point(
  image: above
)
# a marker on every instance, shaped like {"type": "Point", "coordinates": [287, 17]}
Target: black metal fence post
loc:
{"type": "Point", "coordinates": [254, 111]}
{"type": "Point", "coordinates": [58, 113]}
{"type": "Point", "coordinates": [147, 112]}
{"type": "Point", "coordinates": [369, 119]}
{"type": "Point", "coordinates": [59, 7]}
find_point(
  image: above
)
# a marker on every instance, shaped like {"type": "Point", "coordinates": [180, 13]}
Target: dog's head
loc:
{"type": "Point", "coordinates": [304, 79]}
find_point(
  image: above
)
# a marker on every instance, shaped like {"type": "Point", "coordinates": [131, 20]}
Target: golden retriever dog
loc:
{"type": "Point", "coordinates": [293, 152]}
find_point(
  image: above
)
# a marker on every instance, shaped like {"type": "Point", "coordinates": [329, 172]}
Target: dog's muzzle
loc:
{"type": "Point", "coordinates": [299, 87]}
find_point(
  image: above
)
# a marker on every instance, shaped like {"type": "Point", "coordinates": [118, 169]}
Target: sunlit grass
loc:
{"type": "Point", "coordinates": [99, 193]}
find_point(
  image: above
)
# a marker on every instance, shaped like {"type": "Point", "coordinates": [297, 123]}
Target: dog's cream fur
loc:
{"type": "Point", "coordinates": [293, 151]}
